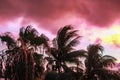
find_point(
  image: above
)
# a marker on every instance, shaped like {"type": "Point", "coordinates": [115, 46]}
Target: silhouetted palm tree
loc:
{"type": "Point", "coordinates": [63, 49]}
{"type": "Point", "coordinates": [96, 61]}
{"type": "Point", "coordinates": [20, 55]}
{"type": "Point", "coordinates": [8, 57]}
{"type": "Point", "coordinates": [26, 38]}
{"type": "Point", "coordinates": [30, 40]}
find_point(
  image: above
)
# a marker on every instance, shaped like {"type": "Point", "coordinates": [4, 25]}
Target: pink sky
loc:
{"type": "Point", "coordinates": [98, 21]}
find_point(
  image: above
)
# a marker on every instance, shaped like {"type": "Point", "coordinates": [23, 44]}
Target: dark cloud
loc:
{"type": "Point", "coordinates": [53, 13]}
{"type": "Point", "coordinates": [102, 12]}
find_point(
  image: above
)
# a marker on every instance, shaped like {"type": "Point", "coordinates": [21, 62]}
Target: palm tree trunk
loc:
{"type": "Point", "coordinates": [25, 58]}
{"type": "Point", "coordinates": [31, 67]}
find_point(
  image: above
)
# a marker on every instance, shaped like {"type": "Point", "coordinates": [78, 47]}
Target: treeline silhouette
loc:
{"type": "Point", "coordinates": [34, 57]}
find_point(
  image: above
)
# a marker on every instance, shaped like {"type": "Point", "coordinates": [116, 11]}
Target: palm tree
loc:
{"type": "Point", "coordinates": [63, 49]}
{"type": "Point", "coordinates": [26, 38]}
{"type": "Point", "coordinates": [8, 39]}
{"type": "Point", "coordinates": [21, 53]}
{"type": "Point", "coordinates": [31, 40]}
{"type": "Point", "coordinates": [96, 61]}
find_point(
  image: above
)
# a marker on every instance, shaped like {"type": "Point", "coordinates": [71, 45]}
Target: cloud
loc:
{"type": "Point", "coordinates": [102, 12]}
{"type": "Point", "coordinates": [52, 14]}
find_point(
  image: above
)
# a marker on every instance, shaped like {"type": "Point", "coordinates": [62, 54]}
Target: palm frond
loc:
{"type": "Point", "coordinates": [8, 38]}
{"type": "Point", "coordinates": [95, 48]}
{"type": "Point", "coordinates": [107, 60]}
{"type": "Point", "coordinates": [71, 60]}
{"type": "Point", "coordinates": [109, 57]}
{"type": "Point", "coordinates": [71, 34]}
{"type": "Point", "coordinates": [72, 43]}
{"type": "Point", "coordinates": [28, 34]}
{"type": "Point", "coordinates": [78, 53]}
{"type": "Point", "coordinates": [61, 35]}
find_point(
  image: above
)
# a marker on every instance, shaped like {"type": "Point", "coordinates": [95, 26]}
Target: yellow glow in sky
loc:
{"type": "Point", "coordinates": [113, 37]}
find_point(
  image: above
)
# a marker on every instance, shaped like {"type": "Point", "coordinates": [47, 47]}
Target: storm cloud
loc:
{"type": "Point", "coordinates": [51, 14]}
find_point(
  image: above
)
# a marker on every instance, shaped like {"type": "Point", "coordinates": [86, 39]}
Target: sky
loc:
{"type": "Point", "coordinates": [98, 21]}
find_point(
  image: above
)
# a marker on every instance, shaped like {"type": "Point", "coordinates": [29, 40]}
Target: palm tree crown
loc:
{"type": "Point", "coordinates": [63, 47]}
{"type": "Point", "coordinates": [96, 61]}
